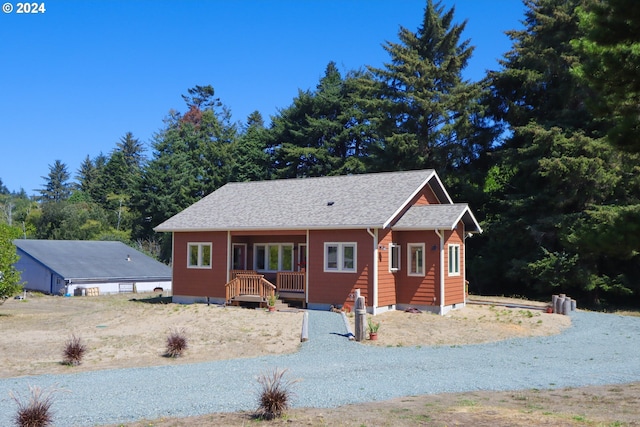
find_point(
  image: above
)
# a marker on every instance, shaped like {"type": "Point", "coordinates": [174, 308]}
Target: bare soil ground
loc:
{"type": "Point", "coordinates": [122, 332]}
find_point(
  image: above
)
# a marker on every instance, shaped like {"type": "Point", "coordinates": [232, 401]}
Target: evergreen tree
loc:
{"type": "Point", "coordinates": [318, 135]}
{"type": "Point", "coordinates": [610, 48]}
{"type": "Point", "coordinates": [191, 157]}
{"type": "Point", "coordinates": [132, 150]}
{"type": "Point", "coordinates": [552, 174]}
{"type": "Point", "coordinates": [86, 175]}
{"type": "Point", "coordinates": [3, 188]}
{"type": "Point", "coordinates": [423, 112]}
{"type": "Point", "coordinates": [251, 159]}
{"type": "Point", "coordinates": [57, 186]}
{"type": "Point", "coordinates": [9, 276]}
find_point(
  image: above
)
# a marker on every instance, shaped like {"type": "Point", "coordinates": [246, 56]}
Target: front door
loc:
{"type": "Point", "coordinates": [239, 261]}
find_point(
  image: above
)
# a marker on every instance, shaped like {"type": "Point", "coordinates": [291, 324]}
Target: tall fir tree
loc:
{"type": "Point", "coordinates": [318, 134]}
{"type": "Point", "coordinates": [551, 173]}
{"type": "Point", "coordinates": [57, 187]}
{"type": "Point", "coordinates": [610, 48]}
{"type": "Point", "coordinates": [424, 113]}
{"type": "Point", "coordinates": [191, 157]}
{"type": "Point", "coordinates": [252, 161]}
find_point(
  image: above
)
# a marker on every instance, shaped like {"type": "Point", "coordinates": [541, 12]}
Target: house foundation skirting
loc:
{"type": "Point", "coordinates": [186, 299]}
{"type": "Point", "coordinates": [431, 308]}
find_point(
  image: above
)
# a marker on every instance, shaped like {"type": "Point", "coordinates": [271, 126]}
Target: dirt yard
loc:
{"type": "Point", "coordinates": [130, 330]}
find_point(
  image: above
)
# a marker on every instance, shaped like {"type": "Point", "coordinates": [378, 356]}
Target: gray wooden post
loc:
{"type": "Point", "coordinates": [554, 302]}
{"type": "Point", "coordinates": [566, 307]}
{"type": "Point", "coordinates": [560, 304]}
{"type": "Point", "coordinates": [361, 317]}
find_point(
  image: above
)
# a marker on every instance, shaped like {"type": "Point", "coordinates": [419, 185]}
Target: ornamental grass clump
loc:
{"type": "Point", "coordinates": [74, 350]}
{"type": "Point", "coordinates": [176, 343]}
{"type": "Point", "coordinates": [275, 394]}
{"type": "Point", "coordinates": [36, 410]}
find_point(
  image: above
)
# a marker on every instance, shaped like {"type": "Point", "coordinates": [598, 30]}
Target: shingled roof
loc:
{"type": "Point", "coordinates": [89, 260]}
{"type": "Point", "coordinates": [350, 201]}
{"type": "Point", "coordinates": [438, 217]}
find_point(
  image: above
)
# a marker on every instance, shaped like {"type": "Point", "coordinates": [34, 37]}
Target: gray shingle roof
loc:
{"type": "Point", "coordinates": [83, 259]}
{"type": "Point", "coordinates": [349, 201]}
{"type": "Point", "coordinates": [432, 217]}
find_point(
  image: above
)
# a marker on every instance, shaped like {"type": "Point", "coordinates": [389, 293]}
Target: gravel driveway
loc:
{"type": "Point", "coordinates": [597, 349]}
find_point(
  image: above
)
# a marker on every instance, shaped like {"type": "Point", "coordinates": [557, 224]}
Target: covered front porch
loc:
{"type": "Point", "coordinates": [263, 264]}
{"type": "Point", "coordinates": [247, 286]}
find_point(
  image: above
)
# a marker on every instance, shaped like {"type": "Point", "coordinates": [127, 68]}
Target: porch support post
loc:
{"type": "Point", "coordinates": [440, 234]}
{"type": "Point", "coordinates": [228, 256]}
{"type": "Point", "coordinates": [306, 273]}
{"type": "Point", "coordinates": [374, 297]}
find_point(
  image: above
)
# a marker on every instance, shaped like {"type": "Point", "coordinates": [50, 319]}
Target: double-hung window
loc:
{"type": "Point", "coordinates": [454, 260]}
{"type": "Point", "coordinates": [199, 255]}
{"type": "Point", "coordinates": [273, 257]}
{"type": "Point", "coordinates": [394, 257]}
{"type": "Point", "coordinates": [340, 257]}
{"type": "Point", "coordinates": [415, 259]}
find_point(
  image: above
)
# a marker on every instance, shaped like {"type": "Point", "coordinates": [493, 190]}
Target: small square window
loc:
{"type": "Point", "coordinates": [340, 257]}
{"type": "Point", "coordinates": [199, 255]}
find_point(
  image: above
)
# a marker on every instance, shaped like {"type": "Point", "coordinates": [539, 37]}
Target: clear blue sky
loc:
{"type": "Point", "coordinates": [76, 78]}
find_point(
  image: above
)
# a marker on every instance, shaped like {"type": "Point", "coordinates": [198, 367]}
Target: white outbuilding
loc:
{"type": "Point", "coordinates": [77, 267]}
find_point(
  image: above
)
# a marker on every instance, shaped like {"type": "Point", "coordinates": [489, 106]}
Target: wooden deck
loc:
{"type": "Point", "coordinates": [251, 287]}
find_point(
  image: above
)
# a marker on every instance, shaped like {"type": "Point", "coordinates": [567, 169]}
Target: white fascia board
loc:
{"type": "Point", "coordinates": [406, 202]}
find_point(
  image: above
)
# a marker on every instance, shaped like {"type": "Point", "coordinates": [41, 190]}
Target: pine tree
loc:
{"type": "Point", "coordinates": [57, 186]}
{"type": "Point", "coordinates": [423, 112]}
{"type": "Point", "coordinates": [553, 172]}
{"type": "Point", "coordinates": [610, 48]}
{"type": "Point", "coordinates": [191, 157]}
{"type": "Point", "coordinates": [252, 162]}
{"type": "Point", "coordinates": [318, 134]}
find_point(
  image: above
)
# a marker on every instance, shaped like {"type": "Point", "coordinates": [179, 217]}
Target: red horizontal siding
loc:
{"type": "Point", "coordinates": [333, 287]}
{"type": "Point", "coordinates": [200, 282]}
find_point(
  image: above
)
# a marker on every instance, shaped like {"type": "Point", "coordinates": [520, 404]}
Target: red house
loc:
{"type": "Point", "coordinates": [397, 237]}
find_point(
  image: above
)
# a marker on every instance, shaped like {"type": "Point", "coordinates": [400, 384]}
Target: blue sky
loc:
{"type": "Point", "coordinates": [77, 77]}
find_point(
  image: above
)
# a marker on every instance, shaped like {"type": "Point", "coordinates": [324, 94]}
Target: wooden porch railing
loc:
{"type": "Point", "coordinates": [249, 284]}
{"type": "Point", "coordinates": [290, 281]}
{"type": "Point", "coordinates": [234, 273]}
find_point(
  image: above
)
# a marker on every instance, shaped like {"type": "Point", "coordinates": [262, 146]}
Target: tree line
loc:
{"type": "Point", "coordinates": [544, 149]}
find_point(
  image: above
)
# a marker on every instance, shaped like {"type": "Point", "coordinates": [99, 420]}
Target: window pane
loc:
{"type": "Point", "coordinates": [417, 260]}
{"type": "Point", "coordinates": [273, 257]}
{"type": "Point", "coordinates": [206, 256]}
{"type": "Point", "coordinates": [260, 256]}
{"type": "Point", "coordinates": [287, 258]}
{"type": "Point", "coordinates": [395, 257]}
{"type": "Point", "coordinates": [332, 257]}
{"type": "Point", "coordinates": [348, 257]}
{"type": "Point", "coordinates": [193, 255]}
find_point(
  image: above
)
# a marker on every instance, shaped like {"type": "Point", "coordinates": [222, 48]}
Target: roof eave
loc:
{"type": "Point", "coordinates": [296, 228]}
{"type": "Point", "coordinates": [395, 214]}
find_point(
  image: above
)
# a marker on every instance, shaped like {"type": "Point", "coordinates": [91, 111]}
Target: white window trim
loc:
{"type": "Point", "coordinates": [456, 267]}
{"type": "Point", "coordinates": [266, 256]}
{"type": "Point", "coordinates": [340, 260]}
{"type": "Point", "coordinates": [391, 248]}
{"type": "Point", "coordinates": [424, 256]}
{"type": "Point", "coordinates": [200, 264]}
